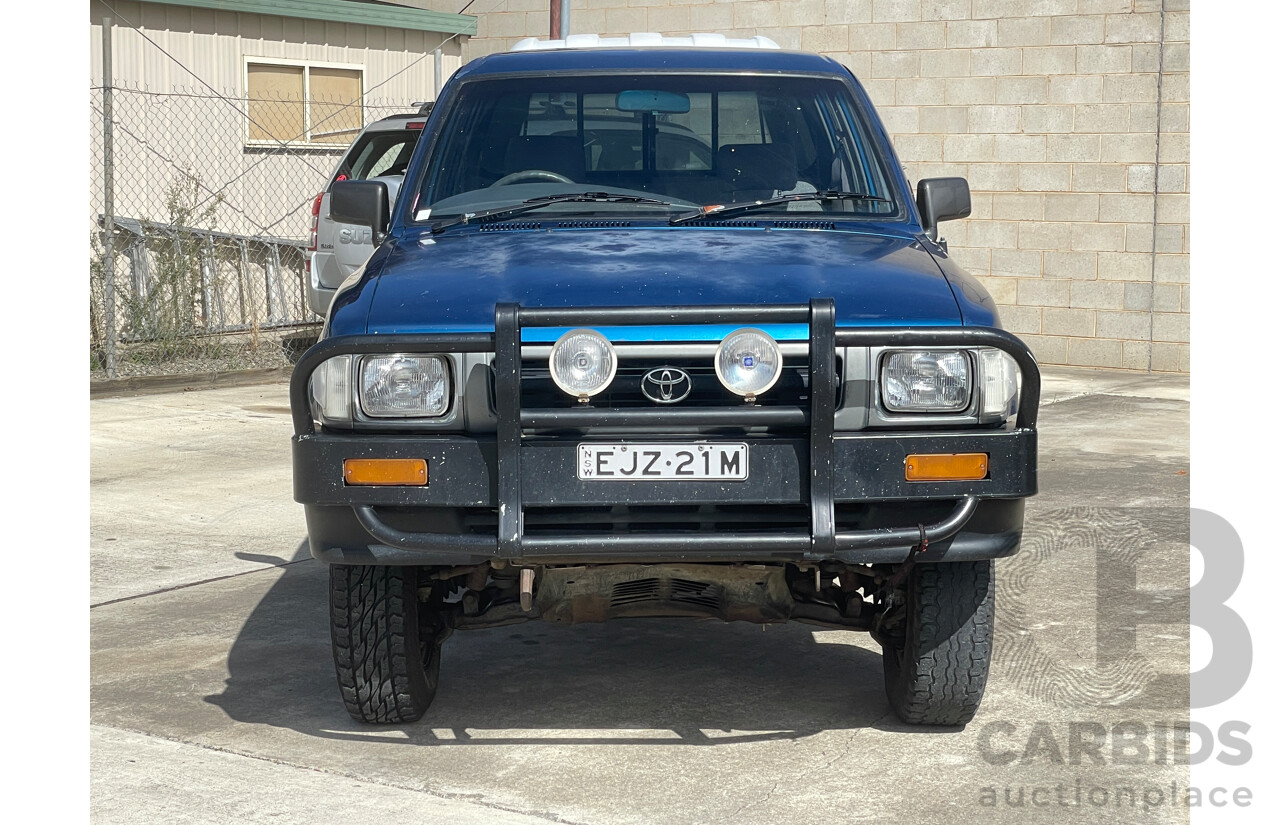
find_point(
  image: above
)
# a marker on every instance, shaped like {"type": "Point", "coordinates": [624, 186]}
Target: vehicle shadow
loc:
{"type": "Point", "coordinates": [638, 681]}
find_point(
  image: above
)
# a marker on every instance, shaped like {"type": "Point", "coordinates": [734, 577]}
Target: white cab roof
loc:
{"type": "Point", "coordinates": [643, 39]}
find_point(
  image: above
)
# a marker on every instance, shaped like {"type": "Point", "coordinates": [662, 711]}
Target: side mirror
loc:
{"type": "Point", "coordinates": [362, 203]}
{"type": "Point", "coordinates": [942, 199]}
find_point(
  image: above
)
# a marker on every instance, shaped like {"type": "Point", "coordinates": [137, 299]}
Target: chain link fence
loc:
{"type": "Point", "coordinates": [199, 222]}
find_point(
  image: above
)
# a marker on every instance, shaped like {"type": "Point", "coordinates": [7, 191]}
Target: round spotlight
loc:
{"type": "Point", "coordinates": [583, 363]}
{"type": "Point", "coordinates": [748, 362]}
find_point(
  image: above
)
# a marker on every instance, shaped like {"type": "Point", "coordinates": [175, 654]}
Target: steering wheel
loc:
{"type": "Point", "coordinates": [531, 174]}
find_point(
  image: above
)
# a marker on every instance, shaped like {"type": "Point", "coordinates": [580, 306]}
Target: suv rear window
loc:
{"type": "Point", "coordinates": [380, 153]}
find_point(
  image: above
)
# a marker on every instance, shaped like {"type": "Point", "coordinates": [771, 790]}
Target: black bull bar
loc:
{"type": "Point", "coordinates": [822, 540]}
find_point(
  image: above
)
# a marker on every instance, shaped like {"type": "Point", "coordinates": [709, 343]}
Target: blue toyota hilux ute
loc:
{"type": "Point", "coordinates": [657, 327]}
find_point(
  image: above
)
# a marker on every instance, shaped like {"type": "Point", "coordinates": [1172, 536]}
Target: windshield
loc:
{"type": "Point", "coordinates": [688, 140]}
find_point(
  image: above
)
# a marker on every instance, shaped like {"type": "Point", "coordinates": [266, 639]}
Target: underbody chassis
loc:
{"type": "Point", "coordinates": [824, 528]}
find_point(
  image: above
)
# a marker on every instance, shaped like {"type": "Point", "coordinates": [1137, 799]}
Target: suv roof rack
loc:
{"type": "Point", "coordinates": [645, 39]}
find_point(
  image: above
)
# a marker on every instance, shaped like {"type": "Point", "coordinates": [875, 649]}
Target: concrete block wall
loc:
{"type": "Point", "coordinates": [1070, 119]}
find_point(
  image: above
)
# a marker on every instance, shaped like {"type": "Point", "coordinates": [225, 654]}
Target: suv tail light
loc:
{"type": "Point", "coordinates": [315, 226]}
{"type": "Point", "coordinates": [315, 221]}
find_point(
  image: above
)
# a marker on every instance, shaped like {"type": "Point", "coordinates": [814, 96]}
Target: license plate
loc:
{"type": "Point", "coordinates": [662, 462]}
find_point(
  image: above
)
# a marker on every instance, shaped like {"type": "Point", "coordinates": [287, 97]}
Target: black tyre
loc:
{"type": "Point", "coordinates": [935, 669]}
{"type": "Point", "coordinates": [386, 642]}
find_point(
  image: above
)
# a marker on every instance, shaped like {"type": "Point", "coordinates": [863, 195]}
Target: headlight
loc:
{"type": "Point", "coordinates": [331, 389]}
{"type": "Point", "coordinates": [748, 362]}
{"type": "Point", "coordinates": [404, 386]}
{"type": "Point", "coordinates": [999, 384]}
{"type": "Point", "coordinates": [583, 363]}
{"type": "Point", "coordinates": [925, 381]}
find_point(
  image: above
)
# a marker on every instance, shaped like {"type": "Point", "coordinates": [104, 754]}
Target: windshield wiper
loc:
{"type": "Point", "coordinates": [503, 212]}
{"type": "Point", "coordinates": [718, 211]}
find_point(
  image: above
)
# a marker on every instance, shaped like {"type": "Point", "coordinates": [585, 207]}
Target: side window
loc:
{"type": "Point", "coordinates": [791, 120]}
{"type": "Point", "coordinates": [683, 142]}
{"type": "Point", "coordinates": [379, 152]}
{"type": "Point", "coordinates": [553, 113]}
{"type": "Point", "coordinates": [614, 139]}
{"type": "Point", "coordinates": [385, 161]}
{"type": "Point", "coordinates": [740, 118]}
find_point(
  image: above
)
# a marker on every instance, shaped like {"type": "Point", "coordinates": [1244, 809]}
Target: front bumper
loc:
{"type": "Point", "coordinates": [813, 496]}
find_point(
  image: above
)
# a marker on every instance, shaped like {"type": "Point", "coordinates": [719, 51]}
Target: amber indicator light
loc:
{"type": "Point", "coordinates": [385, 472]}
{"type": "Point", "coordinates": [947, 467]}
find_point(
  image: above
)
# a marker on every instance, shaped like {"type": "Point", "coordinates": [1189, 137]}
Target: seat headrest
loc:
{"type": "Point", "coordinates": [758, 165]}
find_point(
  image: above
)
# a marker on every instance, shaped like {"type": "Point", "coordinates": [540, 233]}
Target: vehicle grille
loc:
{"type": "Point", "coordinates": [702, 594]}
{"type": "Point", "coordinates": [731, 224]}
{"type": "Point", "coordinates": [592, 224]}
{"type": "Point", "coordinates": [520, 226]}
{"type": "Point", "coordinates": [537, 390]}
{"type": "Point", "coordinates": [639, 590]}
{"type": "Point", "coordinates": [801, 224]}
{"type": "Point", "coordinates": [706, 595]}
{"type": "Point", "coordinates": [687, 518]}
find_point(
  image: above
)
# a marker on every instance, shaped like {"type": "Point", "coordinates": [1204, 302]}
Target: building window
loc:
{"type": "Point", "coordinates": [299, 102]}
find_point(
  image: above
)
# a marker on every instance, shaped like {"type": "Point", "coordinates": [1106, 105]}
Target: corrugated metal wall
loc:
{"type": "Point", "coordinates": [169, 123]}
{"type": "Point", "coordinates": [213, 45]}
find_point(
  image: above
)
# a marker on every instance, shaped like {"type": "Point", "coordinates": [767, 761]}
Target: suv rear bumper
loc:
{"type": "Point", "coordinates": [319, 299]}
{"type": "Point", "coordinates": [319, 296]}
{"type": "Point", "coordinates": [516, 496]}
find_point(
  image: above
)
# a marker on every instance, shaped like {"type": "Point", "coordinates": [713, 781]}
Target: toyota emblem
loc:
{"type": "Point", "coordinates": [666, 385]}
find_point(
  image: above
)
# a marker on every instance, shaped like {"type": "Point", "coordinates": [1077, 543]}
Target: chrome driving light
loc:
{"type": "Point", "coordinates": [999, 384]}
{"type": "Point", "coordinates": [331, 390]}
{"type": "Point", "coordinates": [748, 362]}
{"type": "Point", "coordinates": [929, 381]}
{"type": "Point", "coordinates": [404, 386]}
{"type": "Point", "coordinates": [583, 363]}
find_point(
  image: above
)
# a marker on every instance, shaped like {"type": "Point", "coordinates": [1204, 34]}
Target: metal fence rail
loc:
{"type": "Point", "coordinates": [225, 283]}
{"type": "Point", "coordinates": [199, 228]}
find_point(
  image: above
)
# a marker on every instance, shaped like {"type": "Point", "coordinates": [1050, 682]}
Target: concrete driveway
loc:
{"type": "Point", "coordinates": [213, 696]}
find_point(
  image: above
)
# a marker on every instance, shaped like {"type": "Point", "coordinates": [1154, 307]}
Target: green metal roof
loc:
{"type": "Point", "coordinates": [344, 11]}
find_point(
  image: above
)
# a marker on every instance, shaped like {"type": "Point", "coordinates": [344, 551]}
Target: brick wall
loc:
{"type": "Point", "coordinates": [1053, 109]}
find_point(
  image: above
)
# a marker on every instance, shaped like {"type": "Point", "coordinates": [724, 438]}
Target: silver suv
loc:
{"type": "Point", "coordinates": [380, 152]}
